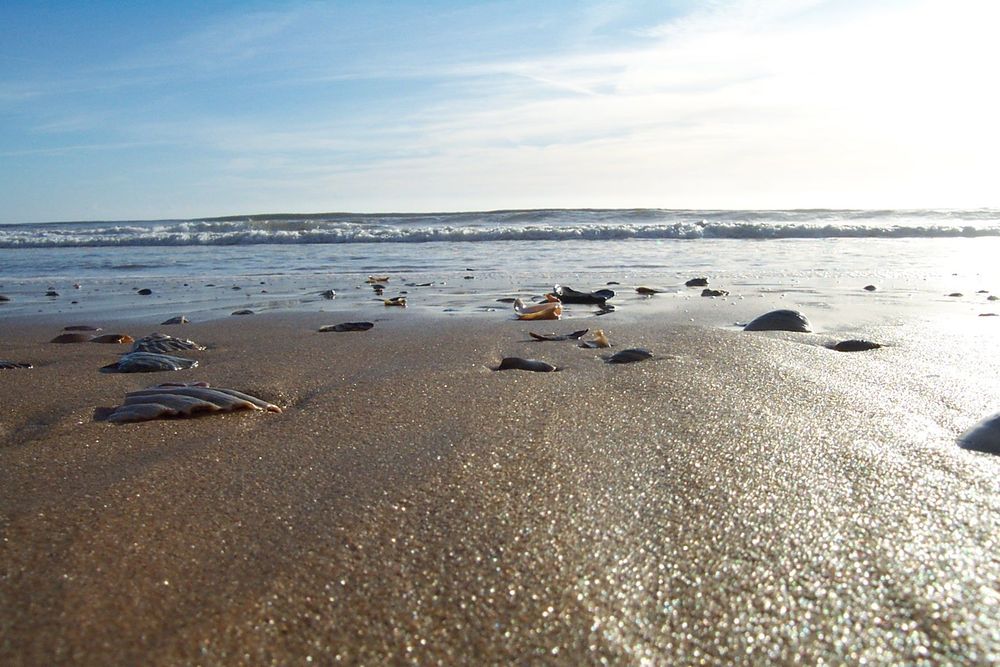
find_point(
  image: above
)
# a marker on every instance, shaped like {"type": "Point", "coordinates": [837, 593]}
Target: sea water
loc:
{"type": "Point", "coordinates": [818, 261]}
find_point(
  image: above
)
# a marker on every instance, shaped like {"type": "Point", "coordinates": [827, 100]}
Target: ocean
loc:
{"type": "Point", "coordinates": [463, 262]}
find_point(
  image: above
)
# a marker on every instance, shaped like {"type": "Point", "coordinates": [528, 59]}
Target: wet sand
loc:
{"type": "Point", "coordinates": [738, 498]}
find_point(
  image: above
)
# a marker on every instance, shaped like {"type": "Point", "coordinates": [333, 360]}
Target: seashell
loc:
{"type": "Point", "coordinates": [780, 320]}
{"type": "Point", "coordinates": [955, 294]}
{"type": "Point", "coordinates": [984, 437]}
{"type": "Point", "coordinates": [4, 298]}
{"type": "Point", "coordinates": [162, 343]}
{"type": "Point", "coordinates": [714, 292]}
{"type": "Point", "coordinates": [114, 339]}
{"type": "Point", "coordinates": [993, 297]}
{"type": "Point", "coordinates": [328, 294]}
{"type": "Point", "coordinates": [396, 301]}
{"type": "Point", "coordinates": [377, 279]}
{"type": "Point", "coordinates": [987, 314]}
{"type": "Point", "coordinates": [419, 284]}
{"type": "Point", "coordinates": [145, 291]}
{"type": "Point", "coordinates": [600, 341]}
{"type": "Point", "coordinates": [547, 310]}
{"type": "Point", "coordinates": [870, 288]}
{"type": "Point", "coordinates": [245, 311]}
{"type": "Point", "coordinates": [648, 291]}
{"type": "Point", "coordinates": [854, 345]}
{"type": "Point", "coordinates": [74, 337]}
{"type": "Point", "coordinates": [52, 292]}
{"type": "Point", "coordinates": [506, 299]}
{"type": "Point", "coordinates": [183, 400]}
{"type": "Point", "coordinates": [7, 365]}
{"type": "Point", "coordinates": [630, 356]}
{"type": "Point", "coordinates": [81, 327]}
{"type": "Point", "coordinates": [575, 335]}
{"type": "Point", "coordinates": [697, 282]}
{"type": "Point", "coordinates": [517, 363]}
{"type": "Point", "coordinates": [570, 295]}
{"type": "Point", "coordinates": [148, 362]}
{"type": "Point", "coordinates": [348, 326]}
{"type": "Point", "coordinates": [180, 319]}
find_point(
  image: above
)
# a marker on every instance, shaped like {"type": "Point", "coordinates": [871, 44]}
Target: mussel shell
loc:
{"type": "Point", "coordinates": [245, 311]}
{"type": "Point", "coordinates": [180, 319]}
{"type": "Point", "coordinates": [148, 362]}
{"type": "Point", "coordinates": [855, 345]}
{"type": "Point", "coordinates": [780, 320]}
{"type": "Point", "coordinates": [630, 356]}
{"type": "Point", "coordinates": [570, 295]}
{"type": "Point", "coordinates": [162, 343]}
{"type": "Point", "coordinates": [517, 363]}
{"type": "Point", "coordinates": [6, 365]}
{"type": "Point", "coordinates": [348, 326]}
{"type": "Point", "coordinates": [575, 335]}
{"type": "Point", "coordinates": [984, 437]}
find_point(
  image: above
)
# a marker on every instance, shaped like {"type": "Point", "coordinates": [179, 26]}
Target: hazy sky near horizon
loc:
{"type": "Point", "coordinates": [183, 109]}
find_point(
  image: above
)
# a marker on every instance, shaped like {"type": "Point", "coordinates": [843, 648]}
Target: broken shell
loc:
{"type": "Point", "coordinates": [377, 279]}
{"type": "Point", "coordinates": [551, 309]}
{"type": "Point", "coordinates": [148, 362]}
{"type": "Point", "coordinates": [396, 301]}
{"type": "Point", "coordinates": [630, 356]}
{"type": "Point", "coordinates": [7, 365]}
{"type": "Point", "coordinates": [600, 341]}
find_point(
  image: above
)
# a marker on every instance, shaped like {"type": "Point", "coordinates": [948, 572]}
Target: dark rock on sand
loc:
{"type": "Point", "coordinates": [570, 295]}
{"type": "Point", "coordinates": [648, 291]}
{"type": "Point", "coordinates": [52, 292]}
{"type": "Point", "coordinates": [348, 326]}
{"type": "Point", "coordinates": [4, 299]}
{"type": "Point", "coordinates": [328, 294]}
{"type": "Point", "coordinates": [987, 314]}
{"type": "Point", "coordinates": [870, 288]}
{"type": "Point", "coordinates": [984, 437]}
{"type": "Point", "coordinates": [145, 291]}
{"type": "Point", "coordinates": [9, 365]}
{"type": "Point", "coordinates": [74, 337]}
{"type": "Point", "coordinates": [714, 292]}
{"type": "Point", "coordinates": [854, 345]}
{"type": "Point", "coordinates": [956, 294]}
{"type": "Point", "coordinates": [630, 356]}
{"type": "Point", "coordinates": [180, 319]}
{"type": "Point", "coordinates": [780, 320]}
{"type": "Point", "coordinates": [697, 282]}
{"type": "Point", "coordinates": [993, 297]}
{"type": "Point", "coordinates": [506, 299]}
{"type": "Point", "coordinates": [243, 312]}
{"type": "Point", "coordinates": [517, 363]}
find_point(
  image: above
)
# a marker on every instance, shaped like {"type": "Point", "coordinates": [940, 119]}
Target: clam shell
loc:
{"type": "Point", "coordinates": [148, 362]}
{"type": "Point", "coordinates": [780, 320]}
{"type": "Point", "coordinates": [983, 437]}
{"type": "Point", "coordinates": [630, 356]}
{"type": "Point", "coordinates": [180, 319]}
{"type": "Point", "coordinates": [854, 345]}
{"type": "Point", "coordinates": [162, 343]}
{"type": "Point", "coordinates": [183, 400]}
{"type": "Point", "coordinates": [517, 363]}
{"type": "Point", "coordinates": [74, 337]}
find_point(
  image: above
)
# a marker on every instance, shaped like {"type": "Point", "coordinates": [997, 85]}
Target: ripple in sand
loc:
{"type": "Point", "coordinates": [517, 363]}
{"type": "Point", "coordinates": [8, 365]}
{"type": "Point", "coordinates": [162, 343]}
{"type": "Point", "coordinates": [780, 320]}
{"type": "Point", "coordinates": [148, 362]}
{"type": "Point", "coordinates": [183, 400]}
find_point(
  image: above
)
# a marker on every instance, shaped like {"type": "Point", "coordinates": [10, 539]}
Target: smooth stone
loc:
{"type": "Point", "coordinates": [517, 363]}
{"type": "Point", "coordinates": [145, 291]}
{"type": "Point", "coordinates": [348, 326]}
{"type": "Point", "coordinates": [4, 298]}
{"type": "Point", "coordinates": [714, 292]}
{"type": "Point", "coordinates": [993, 297]}
{"type": "Point", "coordinates": [74, 337]}
{"type": "Point", "coordinates": [870, 288]}
{"type": "Point", "coordinates": [956, 294]}
{"type": "Point", "coordinates": [52, 293]}
{"type": "Point", "coordinates": [780, 320]}
{"type": "Point", "coordinates": [987, 314]}
{"type": "Point", "coordinates": [984, 437]}
{"type": "Point", "coordinates": [506, 299]}
{"type": "Point", "coordinates": [697, 282]}
{"type": "Point", "coordinates": [855, 345]}
{"type": "Point", "coordinates": [630, 356]}
{"type": "Point", "coordinates": [328, 294]}
{"type": "Point", "coordinates": [648, 291]}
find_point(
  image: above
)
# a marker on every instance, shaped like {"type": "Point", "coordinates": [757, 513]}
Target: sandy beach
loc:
{"type": "Point", "coordinates": [739, 498]}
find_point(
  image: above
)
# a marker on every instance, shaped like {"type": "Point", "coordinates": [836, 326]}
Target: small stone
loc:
{"type": "Point", "coordinates": [870, 288]}
{"type": "Point", "coordinates": [697, 282]}
{"type": "Point", "coordinates": [145, 291]}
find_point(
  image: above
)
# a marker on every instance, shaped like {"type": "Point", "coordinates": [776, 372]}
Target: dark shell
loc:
{"type": "Point", "coordinates": [396, 301]}
{"type": "Point", "coordinates": [987, 314]}
{"type": "Point", "coordinates": [570, 295]}
{"type": "Point", "coordinates": [52, 293]}
{"type": "Point", "coordinates": [517, 363]}
{"type": "Point", "coordinates": [113, 339]}
{"type": "Point", "coordinates": [162, 343]}
{"type": "Point", "coordinates": [183, 400]}
{"type": "Point", "coordinates": [348, 326]}
{"type": "Point", "coordinates": [4, 298]}
{"type": "Point", "coordinates": [630, 356]}
{"type": "Point", "coordinates": [243, 312]}
{"type": "Point", "coordinates": [855, 345]}
{"type": "Point", "coordinates": [780, 320]}
{"type": "Point", "coordinates": [6, 365]}
{"type": "Point", "coordinates": [697, 282]}
{"type": "Point", "coordinates": [648, 291]}
{"type": "Point", "coordinates": [148, 362]}
{"type": "Point", "coordinates": [180, 319]}
{"type": "Point", "coordinates": [74, 337]}
{"type": "Point", "coordinates": [714, 292]}
{"type": "Point", "coordinates": [870, 288]}
{"type": "Point", "coordinates": [575, 335]}
{"type": "Point", "coordinates": [506, 299]}
{"type": "Point", "coordinates": [992, 297]}
{"type": "Point", "coordinates": [81, 327]}
{"type": "Point", "coordinates": [956, 294]}
{"type": "Point", "coordinates": [145, 291]}
{"type": "Point", "coordinates": [984, 437]}
{"type": "Point", "coordinates": [328, 294]}
{"type": "Point", "coordinates": [604, 309]}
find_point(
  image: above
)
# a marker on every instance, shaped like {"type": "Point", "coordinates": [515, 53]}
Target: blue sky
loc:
{"type": "Point", "coordinates": [156, 110]}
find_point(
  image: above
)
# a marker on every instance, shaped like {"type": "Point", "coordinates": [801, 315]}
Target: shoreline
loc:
{"type": "Point", "coordinates": [737, 497]}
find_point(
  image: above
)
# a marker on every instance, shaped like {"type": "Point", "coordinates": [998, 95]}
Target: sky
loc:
{"type": "Point", "coordinates": [143, 110]}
